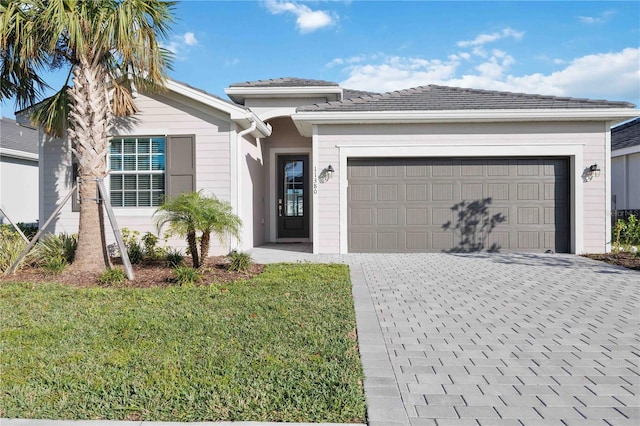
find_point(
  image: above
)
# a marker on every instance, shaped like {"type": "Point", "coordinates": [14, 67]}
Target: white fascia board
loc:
{"type": "Point", "coordinates": [14, 153]}
{"type": "Point", "coordinates": [305, 120]}
{"type": "Point", "coordinates": [625, 151]}
{"type": "Point", "coordinates": [284, 92]}
{"type": "Point", "coordinates": [240, 115]}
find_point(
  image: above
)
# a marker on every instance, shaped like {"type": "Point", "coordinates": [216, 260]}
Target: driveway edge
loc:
{"type": "Point", "coordinates": [384, 402]}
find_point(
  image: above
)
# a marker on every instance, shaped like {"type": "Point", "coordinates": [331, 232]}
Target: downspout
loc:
{"type": "Point", "coordinates": [238, 176]}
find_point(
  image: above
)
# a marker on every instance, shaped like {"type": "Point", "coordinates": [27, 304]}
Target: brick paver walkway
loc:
{"type": "Point", "coordinates": [500, 339]}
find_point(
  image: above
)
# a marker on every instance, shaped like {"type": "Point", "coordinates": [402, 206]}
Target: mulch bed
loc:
{"type": "Point", "coordinates": [147, 274]}
{"type": "Point", "coordinates": [628, 260]}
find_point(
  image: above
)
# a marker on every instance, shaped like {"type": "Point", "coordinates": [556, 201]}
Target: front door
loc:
{"type": "Point", "coordinates": [293, 198]}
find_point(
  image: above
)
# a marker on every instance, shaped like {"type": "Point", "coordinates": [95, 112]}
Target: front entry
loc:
{"type": "Point", "coordinates": [293, 197]}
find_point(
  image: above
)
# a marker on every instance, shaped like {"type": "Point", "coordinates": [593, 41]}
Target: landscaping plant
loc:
{"type": "Point", "coordinates": [185, 275]}
{"type": "Point", "coordinates": [195, 217]}
{"type": "Point", "coordinates": [112, 276]}
{"type": "Point", "coordinates": [239, 261]}
{"type": "Point", "coordinates": [11, 245]}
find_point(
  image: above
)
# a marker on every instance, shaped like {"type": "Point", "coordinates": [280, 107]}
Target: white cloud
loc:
{"type": "Point", "coordinates": [189, 39]}
{"type": "Point", "coordinates": [307, 20]}
{"type": "Point", "coordinates": [613, 76]}
{"type": "Point", "coordinates": [180, 44]}
{"type": "Point", "coordinates": [600, 19]}
{"type": "Point", "coordinates": [483, 39]}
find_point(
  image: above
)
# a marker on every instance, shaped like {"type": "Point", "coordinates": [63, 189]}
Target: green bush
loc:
{"type": "Point", "coordinates": [626, 234]}
{"type": "Point", "coordinates": [52, 247]}
{"type": "Point", "coordinates": [239, 261]}
{"type": "Point", "coordinates": [54, 264]}
{"type": "Point", "coordinates": [174, 258]}
{"type": "Point", "coordinates": [113, 276]}
{"type": "Point", "coordinates": [28, 229]}
{"type": "Point", "coordinates": [11, 245]}
{"type": "Point", "coordinates": [185, 275]}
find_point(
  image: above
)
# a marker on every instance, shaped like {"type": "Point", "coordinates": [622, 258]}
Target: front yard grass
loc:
{"type": "Point", "coordinates": [279, 347]}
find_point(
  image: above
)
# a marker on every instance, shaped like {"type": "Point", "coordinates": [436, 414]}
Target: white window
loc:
{"type": "Point", "coordinates": [137, 171]}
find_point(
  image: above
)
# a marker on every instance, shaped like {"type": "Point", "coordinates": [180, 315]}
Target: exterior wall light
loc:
{"type": "Point", "coordinates": [330, 172]}
{"type": "Point", "coordinates": [594, 171]}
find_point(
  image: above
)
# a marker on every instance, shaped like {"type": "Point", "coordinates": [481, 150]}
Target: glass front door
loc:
{"type": "Point", "coordinates": [293, 199]}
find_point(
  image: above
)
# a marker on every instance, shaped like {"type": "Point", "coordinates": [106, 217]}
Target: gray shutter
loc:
{"type": "Point", "coordinates": [181, 164]}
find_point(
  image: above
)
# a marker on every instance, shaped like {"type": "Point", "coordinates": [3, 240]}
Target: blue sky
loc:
{"type": "Point", "coordinates": [575, 48]}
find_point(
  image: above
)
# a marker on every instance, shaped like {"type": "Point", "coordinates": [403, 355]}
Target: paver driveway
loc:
{"type": "Point", "coordinates": [497, 339]}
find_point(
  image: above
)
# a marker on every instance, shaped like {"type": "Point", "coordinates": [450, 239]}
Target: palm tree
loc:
{"type": "Point", "coordinates": [191, 213]}
{"type": "Point", "coordinates": [110, 47]}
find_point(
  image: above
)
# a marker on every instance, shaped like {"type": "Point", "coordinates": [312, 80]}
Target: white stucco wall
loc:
{"type": "Point", "coordinates": [585, 143]}
{"type": "Point", "coordinates": [19, 189]}
{"type": "Point", "coordinates": [168, 114]}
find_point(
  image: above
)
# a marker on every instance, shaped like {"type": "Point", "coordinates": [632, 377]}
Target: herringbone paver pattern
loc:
{"type": "Point", "coordinates": [500, 339]}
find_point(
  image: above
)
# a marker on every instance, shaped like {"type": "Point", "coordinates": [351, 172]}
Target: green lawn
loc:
{"type": "Point", "coordinates": [280, 347]}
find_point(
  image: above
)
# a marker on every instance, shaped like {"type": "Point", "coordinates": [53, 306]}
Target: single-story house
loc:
{"type": "Point", "coordinates": [625, 165]}
{"type": "Point", "coordinates": [18, 172]}
{"type": "Point", "coordinates": [430, 168]}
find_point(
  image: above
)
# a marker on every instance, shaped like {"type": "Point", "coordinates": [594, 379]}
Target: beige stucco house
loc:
{"type": "Point", "coordinates": [425, 169]}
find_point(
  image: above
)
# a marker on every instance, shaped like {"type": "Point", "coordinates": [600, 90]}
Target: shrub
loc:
{"type": "Point", "coordinates": [28, 229]}
{"type": "Point", "coordinates": [239, 261]}
{"type": "Point", "coordinates": [113, 276]}
{"type": "Point", "coordinates": [174, 258]}
{"type": "Point", "coordinates": [626, 234]}
{"type": "Point", "coordinates": [52, 247]}
{"type": "Point", "coordinates": [151, 249]}
{"type": "Point", "coordinates": [186, 275]}
{"type": "Point", "coordinates": [54, 264]}
{"type": "Point", "coordinates": [11, 245]}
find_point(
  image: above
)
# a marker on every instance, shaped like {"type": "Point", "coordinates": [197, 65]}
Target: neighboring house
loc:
{"type": "Point", "coordinates": [426, 169]}
{"type": "Point", "coordinates": [625, 165]}
{"type": "Point", "coordinates": [18, 172]}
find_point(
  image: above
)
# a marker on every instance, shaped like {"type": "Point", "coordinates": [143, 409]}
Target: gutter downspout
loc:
{"type": "Point", "coordinates": [238, 176]}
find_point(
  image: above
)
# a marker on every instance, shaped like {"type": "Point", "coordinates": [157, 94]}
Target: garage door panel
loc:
{"type": "Point", "coordinates": [442, 192]}
{"type": "Point", "coordinates": [425, 204]}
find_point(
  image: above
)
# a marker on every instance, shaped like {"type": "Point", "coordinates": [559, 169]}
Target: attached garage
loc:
{"type": "Point", "coordinates": [445, 169]}
{"type": "Point", "coordinates": [458, 204]}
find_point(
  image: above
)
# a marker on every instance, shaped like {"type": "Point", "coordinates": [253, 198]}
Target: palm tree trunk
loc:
{"type": "Point", "coordinates": [88, 118]}
{"type": "Point", "coordinates": [204, 246]}
{"type": "Point", "coordinates": [193, 248]}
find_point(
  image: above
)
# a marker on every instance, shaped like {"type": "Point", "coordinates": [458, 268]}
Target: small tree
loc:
{"type": "Point", "coordinates": [191, 213]}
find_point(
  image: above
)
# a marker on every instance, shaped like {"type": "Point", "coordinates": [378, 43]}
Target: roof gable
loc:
{"type": "Point", "coordinates": [18, 138]}
{"type": "Point", "coordinates": [626, 135]}
{"type": "Point", "coordinates": [443, 98]}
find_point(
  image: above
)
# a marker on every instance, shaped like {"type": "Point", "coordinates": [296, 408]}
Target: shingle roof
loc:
{"type": "Point", "coordinates": [285, 82]}
{"type": "Point", "coordinates": [18, 138]}
{"type": "Point", "coordinates": [626, 135]}
{"type": "Point", "coordinates": [350, 93]}
{"type": "Point", "coordinates": [442, 98]}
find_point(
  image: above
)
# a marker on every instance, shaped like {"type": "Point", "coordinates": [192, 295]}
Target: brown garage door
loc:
{"type": "Point", "coordinates": [427, 204]}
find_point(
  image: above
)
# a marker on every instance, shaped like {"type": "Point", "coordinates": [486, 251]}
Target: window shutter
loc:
{"type": "Point", "coordinates": [181, 164]}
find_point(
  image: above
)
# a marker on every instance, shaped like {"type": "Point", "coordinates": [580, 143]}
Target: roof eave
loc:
{"type": "Point", "coordinates": [304, 120]}
{"type": "Point", "coordinates": [240, 115]}
{"type": "Point", "coordinates": [239, 94]}
{"type": "Point", "coordinates": [14, 153]}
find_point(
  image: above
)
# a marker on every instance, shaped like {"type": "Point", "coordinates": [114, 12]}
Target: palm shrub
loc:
{"type": "Point", "coordinates": [195, 217]}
